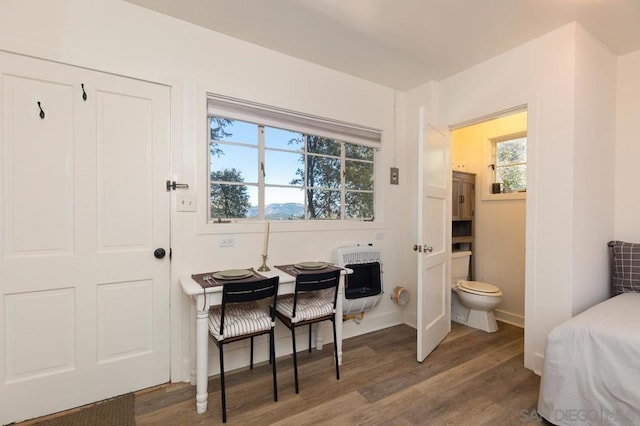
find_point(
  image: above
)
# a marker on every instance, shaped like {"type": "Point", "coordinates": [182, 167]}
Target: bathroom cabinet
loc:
{"type": "Point", "coordinates": [463, 190]}
{"type": "Point", "coordinates": [462, 202]}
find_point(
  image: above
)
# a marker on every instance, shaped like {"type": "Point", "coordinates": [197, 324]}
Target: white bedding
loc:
{"type": "Point", "coordinates": [591, 373]}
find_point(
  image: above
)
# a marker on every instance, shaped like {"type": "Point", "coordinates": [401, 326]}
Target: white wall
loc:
{"type": "Point", "coordinates": [499, 246]}
{"type": "Point", "coordinates": [542, 75]}
{"type": "Point", "coordinates": [627, 154]}
{"type": "Point", "coordinates": [118, 37]}
{"type": "Point", "coordinates": [121, 38]}
{"type": "Point", "coordinates": [593, 170]}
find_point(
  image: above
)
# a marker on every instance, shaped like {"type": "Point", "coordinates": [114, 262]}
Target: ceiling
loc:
{"type": "Point", "coordinates": [404, 43]}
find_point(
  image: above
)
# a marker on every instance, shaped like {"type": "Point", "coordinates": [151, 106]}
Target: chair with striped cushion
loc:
{"type": "Point", "coordinates": [240, 316]}
{"type": "Point", "coordinates": [314, 300]}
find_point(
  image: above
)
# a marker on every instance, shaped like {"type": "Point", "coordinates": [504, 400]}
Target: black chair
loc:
{"type": "Point", "coordinates": [308, 305]}
{"type": "Point", "coordinates": [241, 317]}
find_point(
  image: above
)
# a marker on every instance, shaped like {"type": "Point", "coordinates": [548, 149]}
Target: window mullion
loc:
{"type": "Point", "coordinates": [343, 172]}
{"type": "Point", "coordinates": [521, 163]}
{"type": "Point", "coordinates": [261, 174]}
{"type": "Point", "coordinates": [304, 177]}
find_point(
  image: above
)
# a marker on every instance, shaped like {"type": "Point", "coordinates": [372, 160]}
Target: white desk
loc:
{"type": "Point", "coordinates": [205, 298]}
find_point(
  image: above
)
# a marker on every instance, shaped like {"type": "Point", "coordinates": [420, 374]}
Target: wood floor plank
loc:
{"type": "Point", "coordinates": [446, 355]}
{"type": "Point", "coordinates": [425, 392]}
{"type": "Point", "coordinates": [326, 411]}
{"type": "Point", "coordinates": [471, 378]}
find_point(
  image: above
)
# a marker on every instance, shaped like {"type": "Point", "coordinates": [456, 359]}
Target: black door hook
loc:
{"type": "Point", "coordinates": [84, 94]}
{"type": "Point", "coordinates": [41, 111]}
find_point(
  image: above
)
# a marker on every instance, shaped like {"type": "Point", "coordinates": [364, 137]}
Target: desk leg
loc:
{"type": "Point", "coordinates": [339, 320]}
{"type": "Point", "coordinates": [317, 330]}
{"type": "Point", "coordinates": [202, 358]}
{"type": "Point", "coordinates": [192, 345]}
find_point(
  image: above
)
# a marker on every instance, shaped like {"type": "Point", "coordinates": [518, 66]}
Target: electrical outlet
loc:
{"type": "Point", "coordinates": [226, 241]}
{"type": "Point", "coordinates": [186, 202]}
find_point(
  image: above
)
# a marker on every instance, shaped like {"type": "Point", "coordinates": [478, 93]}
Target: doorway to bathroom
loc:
{"type": "Point", "coordinates": [489, 165]}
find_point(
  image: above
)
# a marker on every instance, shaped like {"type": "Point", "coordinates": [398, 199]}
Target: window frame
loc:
{"type": "Point", "coordinates": [263, 116]}
{"type": "Point", "coordinates": [491, 165]}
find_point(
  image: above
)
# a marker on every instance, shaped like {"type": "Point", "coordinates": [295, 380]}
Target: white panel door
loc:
{"type": "Point", "coordinates": [83, 206]}
{"type": "Point", "coordinates": [434, 236]}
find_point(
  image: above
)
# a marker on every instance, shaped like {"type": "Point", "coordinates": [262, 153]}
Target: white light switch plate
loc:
{"type": "Point", "coordinates": [186, 202]}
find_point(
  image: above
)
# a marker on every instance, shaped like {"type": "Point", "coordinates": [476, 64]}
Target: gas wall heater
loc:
{"type": "Point", "coordinates": [363, 289]}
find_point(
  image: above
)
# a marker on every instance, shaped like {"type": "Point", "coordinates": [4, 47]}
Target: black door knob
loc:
{"type": "Point", "coordinates": [159, 253]}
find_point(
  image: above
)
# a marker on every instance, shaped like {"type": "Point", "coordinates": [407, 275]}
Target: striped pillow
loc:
{"type": "Point", "coordinates": [239, 319]}
{"type": "Point", "coordinates": [626, 267]}
{"type": "Point", "coordinates": [310, 306]}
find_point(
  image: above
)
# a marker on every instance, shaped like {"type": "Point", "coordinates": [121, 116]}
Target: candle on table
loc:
{"type": "Point", "coordinates": [266, 238]}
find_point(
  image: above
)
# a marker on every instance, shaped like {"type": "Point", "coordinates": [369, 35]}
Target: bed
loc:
{"type": "Point", "coordinates": [591, 372]}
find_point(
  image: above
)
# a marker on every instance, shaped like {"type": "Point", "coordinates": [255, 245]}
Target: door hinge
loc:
{"type": "Point", "coordinates": [172, 185]}
{"type": "Point", "coordinates": [170, 253]}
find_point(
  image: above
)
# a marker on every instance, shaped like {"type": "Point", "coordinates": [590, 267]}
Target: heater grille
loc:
{"type": "Point", "coordinates": [360, 256]}
{"type": "Point", "coordinates": [363, 288]}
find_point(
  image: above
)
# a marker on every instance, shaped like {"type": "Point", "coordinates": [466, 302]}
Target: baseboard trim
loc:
{"type": "Point", "coordinates": [538, 362]}
{"type": "Point", "coordinates": [237, 356]}
{"type": "Point", "coordinates": [411, 319]}
{"type": "Point", "coordinates": [509, 318]}
{"type": "Point", "coordinates": [371, 322]}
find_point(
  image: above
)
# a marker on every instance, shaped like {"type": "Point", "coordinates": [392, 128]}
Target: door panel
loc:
{"type": "Point", "coordinates": [455, 199]}
{"type": "Point", "coordinates": [436, 223]}
{"type": "Point", "coordinates": [466, 208]}
{"type": "Point", "coordinates": [434, 236]}
{"type": "Point", "coordinates": [38, 323]}
{"type": "Point", "coordinates": [85, 302]}
{"type": "Point", "coordinates": [124, 171]}
{"type": "Point", "coordinates": [129, 302]}
{"type": "Point", "coordinates": [434, 297]}
{"type": "Point", "coordinates": [46, 177]}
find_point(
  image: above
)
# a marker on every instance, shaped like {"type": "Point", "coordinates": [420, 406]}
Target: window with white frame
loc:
{"type": "Point", "coordinates": [267, 163]}
{"type": "Point", "coordinates": [510, 162]}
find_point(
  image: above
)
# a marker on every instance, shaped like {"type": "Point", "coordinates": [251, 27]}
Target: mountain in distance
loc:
{"type": "Point", "coordinates": [279, 211]}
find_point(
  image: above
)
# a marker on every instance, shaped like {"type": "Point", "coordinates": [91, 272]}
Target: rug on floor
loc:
{"type": "Point", "coordinates": [119, 411]}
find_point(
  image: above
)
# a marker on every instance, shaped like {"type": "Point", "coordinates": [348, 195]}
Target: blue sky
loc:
{"type": "Point", "coordinates": [280, 166]}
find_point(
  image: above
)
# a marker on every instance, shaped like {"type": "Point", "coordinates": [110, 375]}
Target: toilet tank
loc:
{"type": "Point", "coordinates": [460, 265]}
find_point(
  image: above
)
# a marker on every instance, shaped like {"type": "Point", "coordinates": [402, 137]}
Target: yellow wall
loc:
{"type": "Point", "coordinates": [466, 149]}
{"type": "Point", "coordinates": [499, 249]}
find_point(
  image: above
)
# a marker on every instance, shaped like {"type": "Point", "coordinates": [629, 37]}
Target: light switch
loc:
{"type": "Point", "coordinates": [394, 176]}
{"type": "Point", "coordinates": [186, 202]}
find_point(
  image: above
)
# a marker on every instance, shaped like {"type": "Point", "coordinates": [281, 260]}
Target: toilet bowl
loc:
{"type": "Point", "coordinates": [472, 302]}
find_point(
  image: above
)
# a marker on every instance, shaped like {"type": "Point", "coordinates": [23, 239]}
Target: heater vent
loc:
{"type": "Point", "coordinates": [363, 289]}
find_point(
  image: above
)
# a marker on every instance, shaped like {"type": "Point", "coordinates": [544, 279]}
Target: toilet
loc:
{"type": "Point", "coordinates": [472, 302]}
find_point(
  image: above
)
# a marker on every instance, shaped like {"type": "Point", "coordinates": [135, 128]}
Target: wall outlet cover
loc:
{"type": "Point", "coordinates": [226, 241]}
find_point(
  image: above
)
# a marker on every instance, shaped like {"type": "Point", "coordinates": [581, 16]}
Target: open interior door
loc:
{"type": "Point", "coordinates": [434, 235]}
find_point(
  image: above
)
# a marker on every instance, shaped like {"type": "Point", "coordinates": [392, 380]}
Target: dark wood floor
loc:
{"type": "Point", "coordinates": [471, 378]}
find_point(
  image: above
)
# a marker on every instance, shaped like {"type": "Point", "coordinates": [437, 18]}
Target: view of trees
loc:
{"type": "Point", "coordinates": [229, 200]}
{"type": "Point", "coordinates": [323, 175]}
{"type": "Point", "coordinates": [226, 200]}
{"type": "Point", "coordinates": [323, 179]}
{"type": "Point", "coordinates": [511, 165]}
{"type": "Point", "coordinates": [321, 167]}
{"type": "Point", "coordinates": [359, 176]}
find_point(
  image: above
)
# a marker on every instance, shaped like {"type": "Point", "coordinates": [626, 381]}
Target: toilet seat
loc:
{"type": "Point", "coordinates": [479, 288]}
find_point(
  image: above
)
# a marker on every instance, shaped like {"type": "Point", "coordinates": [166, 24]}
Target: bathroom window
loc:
{"type": "Point", "coordinates": [509, 163]}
